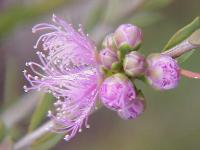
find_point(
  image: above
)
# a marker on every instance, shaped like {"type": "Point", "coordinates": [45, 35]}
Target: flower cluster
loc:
{"type": "Point", "coordinates": [76, 74]}
{"type": "Point", "coordinates": [161, 71]}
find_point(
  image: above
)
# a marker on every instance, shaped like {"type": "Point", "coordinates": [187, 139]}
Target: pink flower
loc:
{"type": "Point", "coordinates": [68, 69]}
{"type": "Point", "coordinates": [116, 91]}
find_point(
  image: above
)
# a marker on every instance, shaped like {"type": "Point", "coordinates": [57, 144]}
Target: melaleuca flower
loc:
{"type": "Point", "coordinates": [116, 91]}
{"type": "Point", "coordinates": [128, 36]}
{"type": "Point", "coordinates": [163, 72]}
{"type": "Point", "coordinates": [107, 58]}
{"type": "Point", "coordinates": [134, 64]}
{"type": "Point", "coordinates": [133, 108]}
{"type": "Point", "coordinates": [68, 69]}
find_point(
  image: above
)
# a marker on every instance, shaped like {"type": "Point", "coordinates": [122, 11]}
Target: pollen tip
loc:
{"type": "Point", "coordinates": [49, 113]}
{"type": "Point", "coordinates": [24, 71]}
{"type": "Point", "coordinates": [80, 130]}
{"type": "Point", "coordinates": [26, 90]}
{"type": "Point", "coordinates": [53, 18]}
{"type": "Point", "coordinates": [66, 137]}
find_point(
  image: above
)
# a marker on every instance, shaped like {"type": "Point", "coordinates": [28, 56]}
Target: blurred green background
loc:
{"type": "Point", "coordinates": [171, 120]}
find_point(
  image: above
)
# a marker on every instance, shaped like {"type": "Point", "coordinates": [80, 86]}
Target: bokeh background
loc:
{"type": "Point", "coordinates": [171, 120]}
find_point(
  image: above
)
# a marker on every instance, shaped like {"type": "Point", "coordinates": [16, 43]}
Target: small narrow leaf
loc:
{"type": "Point", "coordinates": [47, 141]}
{"type": "Point", "coordinates": [183, 33]}
{"type": "Point", "coordinates": [41, 111]}
{"type": "Point", "coordinates": [185, 56]}
{"type": "Point", "coordinates": [194, 39]}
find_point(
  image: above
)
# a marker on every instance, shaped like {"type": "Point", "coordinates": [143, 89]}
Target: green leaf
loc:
{"type": "Point", "coordinates": [41, 111]}
{"type": "Point", "coordinates": [47, 141]}
{"type": "Point", "coordinates": [185, 56]}
{"type": "Point", "coordinates": [183, 33]}
{"type": "Point", "coordinates": [194, 39]}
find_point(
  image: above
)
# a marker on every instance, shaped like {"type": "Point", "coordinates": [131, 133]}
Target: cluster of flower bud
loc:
{"type": "Point", "coordinates": [127, 37]}
{"type": "Point", "coordinates": [118, 91]}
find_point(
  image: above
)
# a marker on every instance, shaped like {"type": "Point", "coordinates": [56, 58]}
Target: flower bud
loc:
{"type": "Point", "coordinates": [163, 72]}
{"type": "Point", "coordinates": [116, 91]}
{"type": "Point", "coordinates": [128, 36]}
{"type": "Point", "coordinates": [108, 57]}
{"type": "Point", "coordinates": [108, 42]}
{"type": "Point", "coordinates": [134, 64]}
{"type": "Point", "coordinates": [133, 109]}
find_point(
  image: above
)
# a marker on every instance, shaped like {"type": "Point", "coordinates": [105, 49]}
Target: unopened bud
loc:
{"type": "Point", "coordinates": [133, 109]}
{"type": "Point", "coordinates": [134, 64]}
{"type": "Point", "coordinates": [108, 57]}
{"type": "Point", "coordinates": [116, 91]}
{"type": "Point", "coordinates": [108, 42]}
{"type": "Point", "coordinates": [128, 36]}
{"type": "Point", "coordinates": [163, 72]}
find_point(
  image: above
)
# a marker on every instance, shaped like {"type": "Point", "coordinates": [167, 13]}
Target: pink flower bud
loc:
{"type": "Point", "coordinates": [108, 57]}
{"type": "Point", "coordinates": [134, 64]}
{"type": "Point", "coordinates": [108, 42]}
{"type": "Point", "coordinates": [163, 72]}
{"type": "Point", "coordinates": [128, 35]}
{"type": "Point", "coordinates": [133, 109]}
{"type": "Point", "coordinates": [116, 91]}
